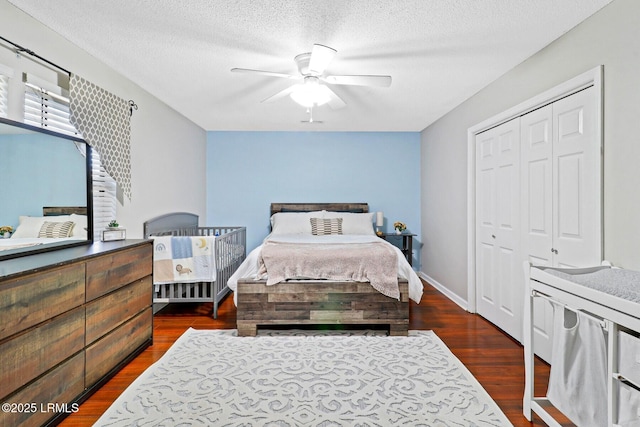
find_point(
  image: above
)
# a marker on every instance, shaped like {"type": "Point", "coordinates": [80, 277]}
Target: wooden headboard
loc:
{"type": "Point", "coordinates": [309, 207]}
{"type": "Point", "coordinates": [63, 210]}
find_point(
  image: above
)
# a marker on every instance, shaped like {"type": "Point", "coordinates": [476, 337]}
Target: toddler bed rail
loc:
{"type": "Point", "coordinates": [230, 251]}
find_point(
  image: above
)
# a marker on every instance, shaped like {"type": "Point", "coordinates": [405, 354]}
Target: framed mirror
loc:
{"type": "Point", "coordinates": [45, 188]}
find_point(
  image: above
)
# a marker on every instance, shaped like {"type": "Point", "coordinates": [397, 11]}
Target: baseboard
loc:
{"type": "Point", "coordinates": [444, 290]}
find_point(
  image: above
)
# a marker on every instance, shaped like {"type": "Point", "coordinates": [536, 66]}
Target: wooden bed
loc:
{"type": "Point", "coordinates": [319, 302]}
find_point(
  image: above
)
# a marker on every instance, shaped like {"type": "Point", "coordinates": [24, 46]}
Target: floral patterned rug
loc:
{"type": "Point", "coordinates": [305, 378]}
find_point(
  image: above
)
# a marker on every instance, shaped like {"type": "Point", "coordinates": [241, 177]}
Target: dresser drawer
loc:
{"type": "Point", "coordinates": [61, 385]}
{"type": "Point", "coordinates": [629, 356]}
{"type": "Point", "coordinates": [29, 300]}
{"type": "Point", "coordinates": [112, 271]}
{"type": "Point", "coordinates": [106, 353]}
{"type": "Point", "coordinates": [32, 353]}
{"type": "Point", "coordinates": [108, 312]}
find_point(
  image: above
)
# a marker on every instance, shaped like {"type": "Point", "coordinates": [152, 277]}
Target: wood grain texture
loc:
{"type": "Point", "coordinates": [493, 358]}
{"type": "Point", "coordinates": [111, 271]}
{"type": "Point", "coordinates": [314, 302]}
{"type": "Point", "coordinates": [32, 353]}
{"type": "Point", "coordinates": [69, 380]}
{"type": "Point", "coordinates": [311, 207]}
{"type": "Point", "coordinates": [106, 313]}
{"type": "Point", "coordinates": [43, 335]}
{"type": "Point", "coordinates": [31, 299]}
{"type": "Point", "coordinates": [63, 210]}
{"type": "Point", "coordinates": [105, 354]}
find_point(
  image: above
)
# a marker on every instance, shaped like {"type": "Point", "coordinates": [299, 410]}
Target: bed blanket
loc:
{"type": "Point", "coordinates": [361, 262]}
{"type": "Point", "coordinates": [183, 259]}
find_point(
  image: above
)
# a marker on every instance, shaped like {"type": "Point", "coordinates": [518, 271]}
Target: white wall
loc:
{"type": "Point", "coordinates": [168, 151]}
{"type": "Point", "coordinates": [610, 37]}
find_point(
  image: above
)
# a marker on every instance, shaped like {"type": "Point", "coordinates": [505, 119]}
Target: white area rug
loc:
{"type": "Point", "coordinates": [305, 378]}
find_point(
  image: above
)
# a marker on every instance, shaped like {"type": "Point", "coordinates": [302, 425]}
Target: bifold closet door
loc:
{"type": "Point", "coordinates": [561, 194]}
{"type": "Point", "coordinates": [499, 278]}
{"type": "Point", "coordinates": [536, 130]}
{"type": "Point", "coordinates": [577, 203]}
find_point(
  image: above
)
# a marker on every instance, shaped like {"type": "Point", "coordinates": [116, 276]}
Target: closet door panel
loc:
{"type": "Point", "coordinates": [499, 279]}
{"type": "Point", "coordinates": [537, 185]}
{"type": "Point", "coordinates": [508, 303]}
{"type": "Point", "coordinates": [487, 275]}
{"type": "Point", "coordinates": [576, 165]}
{"type": "Point", "coordinates": [486, 229]}
{"type": "Point", "coordinates": [536, 138]}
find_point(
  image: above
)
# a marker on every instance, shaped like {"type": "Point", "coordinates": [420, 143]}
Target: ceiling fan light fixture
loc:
{"type": "Point", "coordinates": [310, 93]}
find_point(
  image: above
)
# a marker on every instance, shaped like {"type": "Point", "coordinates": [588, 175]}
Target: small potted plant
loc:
{"type": "Point", "coordinates": [113, 224]}
{"type": "Point", "coordinates": [5, 231]}
{"type": "Point", "coordinates": [399, 226]}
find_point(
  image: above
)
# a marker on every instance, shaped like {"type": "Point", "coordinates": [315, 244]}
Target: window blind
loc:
{"type": "Point", "coordinates": [5, 74]}
{"type": "Point", "coordinates": [46, 109]}
{"type": "Point", "coordinates": [104, 196]}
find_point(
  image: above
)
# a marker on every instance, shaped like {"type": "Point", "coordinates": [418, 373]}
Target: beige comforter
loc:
{"type": "Point", "coordinates": [361, 262]}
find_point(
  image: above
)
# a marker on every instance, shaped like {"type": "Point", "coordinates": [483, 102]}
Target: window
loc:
{"type": "Point", "coordinates": [5, 74]}
{"type": "Point", "coordinates": [47, 109]}
{"type": "Point", "coordinates": [104, 196]}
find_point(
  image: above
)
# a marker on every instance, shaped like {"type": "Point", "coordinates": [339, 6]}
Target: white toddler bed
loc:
{"type": "Point", "coordinates": [229, 251]}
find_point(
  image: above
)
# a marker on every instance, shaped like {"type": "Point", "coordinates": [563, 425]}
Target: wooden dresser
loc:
{"type": "Point", "coordinates": [69, 320]}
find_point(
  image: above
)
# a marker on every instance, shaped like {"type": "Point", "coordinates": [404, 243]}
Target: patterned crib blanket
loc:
{"type": "Point", "coordinates": [183, 259]}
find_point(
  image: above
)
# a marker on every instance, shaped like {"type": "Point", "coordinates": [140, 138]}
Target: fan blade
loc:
{"type": "Point", "coordinates": [335, 102]}
{"type": "Point", "coordinates": [381, 81]}
{"type": "Point", "coordinates": [280, 95]}
{"type": "Point", "coordinates": [265, 73]}
{"type": "Point", "coordinates": [321, 57]}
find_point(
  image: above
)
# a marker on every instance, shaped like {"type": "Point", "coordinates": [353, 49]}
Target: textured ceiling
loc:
{"type": "Point", "coordinates": [438, 52]}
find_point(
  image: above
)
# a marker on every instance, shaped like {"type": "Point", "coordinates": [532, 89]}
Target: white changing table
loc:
{"type": "Point", "coordinates": [617, 313]}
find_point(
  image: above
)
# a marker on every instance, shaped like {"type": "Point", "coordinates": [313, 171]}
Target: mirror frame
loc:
{"type": "Point", "coordinates": [89, 197]}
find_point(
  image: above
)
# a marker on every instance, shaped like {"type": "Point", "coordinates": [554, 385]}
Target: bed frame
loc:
{"type": "Point", "coordinates": [319, 302]}
{"type": "Point", "coordinates": [186, 224]}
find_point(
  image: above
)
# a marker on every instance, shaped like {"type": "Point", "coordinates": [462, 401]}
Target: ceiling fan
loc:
{"type": "Point", "coordinates": [313, 91]}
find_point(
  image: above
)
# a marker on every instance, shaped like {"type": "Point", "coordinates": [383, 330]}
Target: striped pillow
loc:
{"type": "Point", "coordinates": [56, 229]}
{"type": "Point", "coordinates": [324, 226]}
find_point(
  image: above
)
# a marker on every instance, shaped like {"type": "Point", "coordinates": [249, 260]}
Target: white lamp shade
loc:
{"type": "Point", "coordinates": [379, 219]}
{"type": "Point", "coordinates": [310, 93]}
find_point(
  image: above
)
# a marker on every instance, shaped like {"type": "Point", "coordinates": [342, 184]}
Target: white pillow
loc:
{"type": "Point", "coordinates": [30, 225]}
{"type": "Point", "coordinates": [80, 229]}
{"type": "Point", "coordinates": [353, 223]}
{"type": "Point", "coordinates": [293, 222]}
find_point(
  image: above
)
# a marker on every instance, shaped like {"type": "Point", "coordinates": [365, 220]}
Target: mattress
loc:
{"type": "Point", "coordinates": [250, 267]}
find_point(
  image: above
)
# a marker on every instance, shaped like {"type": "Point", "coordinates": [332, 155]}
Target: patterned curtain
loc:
{"type": "Point", "coordinates": [103, 119]}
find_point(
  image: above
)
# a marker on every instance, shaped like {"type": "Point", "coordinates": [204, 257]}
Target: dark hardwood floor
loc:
{"type": "Point", "coordinates": [493, 358]}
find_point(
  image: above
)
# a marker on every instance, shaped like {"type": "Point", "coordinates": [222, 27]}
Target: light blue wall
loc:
{"type": "Point", "coordinates": [246, 171]}
{"type": "Point", "coordinates": [39, 170]}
